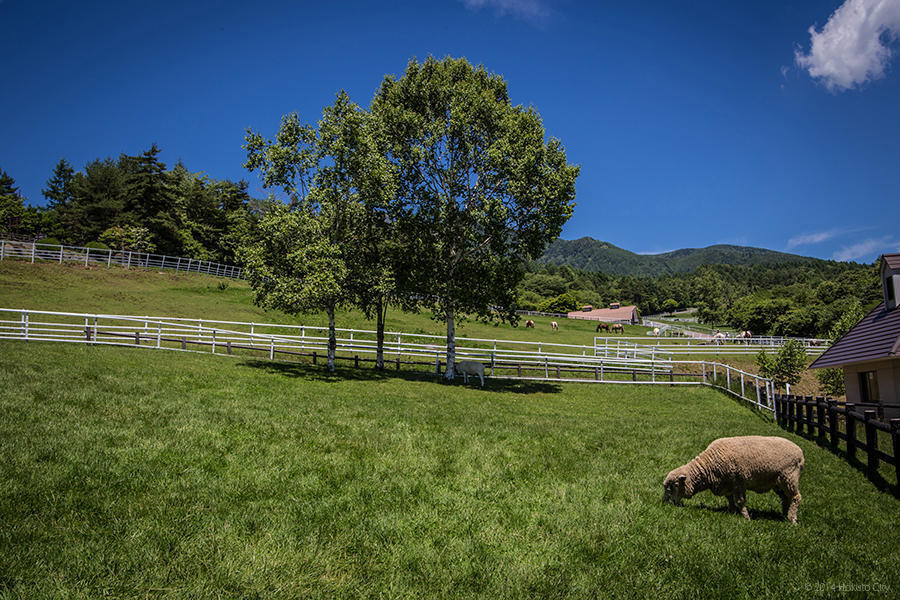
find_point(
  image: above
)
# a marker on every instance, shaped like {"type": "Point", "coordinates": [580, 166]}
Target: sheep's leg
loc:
{"type": "Point", "coordinates": [731, 504]}
{"type": "Point", "coordinates": [793, 505]}
{"type": "Point", "coordinates": [740, 501]}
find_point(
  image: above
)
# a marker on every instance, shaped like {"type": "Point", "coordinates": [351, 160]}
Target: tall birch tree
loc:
{"type": "Point", "coordinates": [483, 190]}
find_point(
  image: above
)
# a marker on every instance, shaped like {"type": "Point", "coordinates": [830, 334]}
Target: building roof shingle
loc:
{"type": "Point", "coordinates": [892, 260]}
{"type": "Point", "coordinates": [876, 337]}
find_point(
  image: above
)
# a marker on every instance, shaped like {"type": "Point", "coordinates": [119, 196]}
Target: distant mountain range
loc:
{"type": "Point", "coordinates": [594, 255]}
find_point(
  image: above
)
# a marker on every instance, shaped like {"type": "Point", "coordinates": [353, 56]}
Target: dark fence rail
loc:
{"type": "Point", "coordinates": [859, 426]}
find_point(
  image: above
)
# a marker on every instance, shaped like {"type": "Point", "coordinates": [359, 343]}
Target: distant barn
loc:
{"type": "Point", "coordinates": [616, 313]}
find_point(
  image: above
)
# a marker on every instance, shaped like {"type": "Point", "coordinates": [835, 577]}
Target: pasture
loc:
{"type": "Point", "coordinates": [136, 473]}
{"type": "Point", "coordinates": [49, 286]}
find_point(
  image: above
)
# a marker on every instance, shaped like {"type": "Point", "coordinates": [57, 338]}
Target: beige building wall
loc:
{"type": "Point", "coordinates": [888, 374]}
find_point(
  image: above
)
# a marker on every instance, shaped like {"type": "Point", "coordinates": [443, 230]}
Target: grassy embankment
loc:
{"type": "Point", "coordinates": [72, 288]}
{"type": "Point", "coordinates": [135, 473]}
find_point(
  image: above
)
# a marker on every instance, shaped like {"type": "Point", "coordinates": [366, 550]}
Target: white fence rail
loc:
{"type": "Point", "coordinates": [705, 345]}
{"type": "Point", "coordinates": [33, 251]}
{"type": "Point", "coordinates": [272, 340]}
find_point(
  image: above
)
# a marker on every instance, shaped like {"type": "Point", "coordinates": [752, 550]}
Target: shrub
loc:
{"type": "Point", "coordinates": [96, 245]}
{"type": "Point", "coordinates": [48, 243]}
{"type": "Point", "coordinates": [786, 366]}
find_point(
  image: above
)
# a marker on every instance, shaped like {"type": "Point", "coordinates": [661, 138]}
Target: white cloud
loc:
{"type": "Point", "coordinates": [818, 237]}
{"type": "Point", "coordinates": [853, 47]}
{"type": "Point", "coordinates": [531, 10]}
{"type": "Point", "coordinates": [869, 248]}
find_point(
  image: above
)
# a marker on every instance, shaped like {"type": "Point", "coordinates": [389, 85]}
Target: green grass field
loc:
{"type": "Point", "coordinates": [134, 473]}
{"type": "Point", "coordinates": [70, 288]}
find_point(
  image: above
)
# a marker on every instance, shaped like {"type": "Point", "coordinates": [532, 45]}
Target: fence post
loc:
{"type": "Point", "coordinates": [213, 341]}
{"type": "Point", "coordinates": [109, 259]}
{"type": "Point", "coordinates": [546, 368]}
{"type": "Point", "coordinates": [742, 384]}
{"type": "Point", "coordinates": [60, 253]}
{"type": "Point", "coordinates": [272, 351]}
{"type": "Point", "coordinates": [128, 266]}
{"type": "Point", "coordinates": [851, 431]}
{"type": "Point", "coordinates": [871, 441]}
{"type": "Point", "coordinates": [2, 248]}
{"type": "Point", "coordinates": [178, 265]}
{"type": "Point", "coordinates": [758, 395]}
{"type": "Point", "coordinates": [493, 358]}
{"type": "Point", "coordinates": [728, 377]}
{"type": "Point", "coordinates": [895, 437]}
{"type": "Point", "coordinates": [832, 423]}
{"type": "Point", "coordinates": [809, 415]}
{"type": "Point", "coordinates": [158, 333]}
{"type": "Point", "coordinates": [25, 323]}
{"type": "Point", "coordinates": [32, 251]}
{"type": "Point", "coordinates": [137, 338]}
{"type": "Point", "coordinates": [704, 370]}
{"type": "Point", "coordinates": [820, 418]}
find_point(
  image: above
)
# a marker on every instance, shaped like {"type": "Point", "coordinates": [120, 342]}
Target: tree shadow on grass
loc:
{"type": "Point", "coordinates": [320, 373]}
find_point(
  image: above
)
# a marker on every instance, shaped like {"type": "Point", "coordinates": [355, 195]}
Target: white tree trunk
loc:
{"type": "Point", "coordinates": [379, 327]}
{"type": "Point", "coordinates": [450, 372]}
{"type": "Point", "coordinates": [332, 339]}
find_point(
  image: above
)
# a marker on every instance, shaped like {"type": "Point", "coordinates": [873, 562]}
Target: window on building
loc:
{"type": "Point", "coordinates": [889, 284]}
{"type": "Point", "coordinates": [868, 386]}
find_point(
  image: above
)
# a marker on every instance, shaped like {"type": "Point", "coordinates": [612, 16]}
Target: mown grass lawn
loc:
{"type": "Point", "coordinates": [139, 473]}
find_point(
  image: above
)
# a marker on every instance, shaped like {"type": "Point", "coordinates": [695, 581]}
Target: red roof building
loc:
{"type": "Point", "coordinates": [616, 313]}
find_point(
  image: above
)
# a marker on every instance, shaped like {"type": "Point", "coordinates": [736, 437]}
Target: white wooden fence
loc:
{"type": "Point", "coordinates": [613, 346]}
{"type": "Point", "coordinates": [751, 345]}
{"type": "Point", "coordinates": [549, 360]}
{"type": "Point", "coordinates": [33, 251]}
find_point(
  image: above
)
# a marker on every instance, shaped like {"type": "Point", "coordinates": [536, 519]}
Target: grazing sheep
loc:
{"type": "Point", "coordinates": [731, 466]}
{"type": "Point", "coordinates": [470, 367]}
{"type": "Point", "coordinates": [554, 325]}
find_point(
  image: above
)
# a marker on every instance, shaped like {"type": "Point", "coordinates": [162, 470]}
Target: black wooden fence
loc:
{"type": "Point", "coordinates": [856, 424]}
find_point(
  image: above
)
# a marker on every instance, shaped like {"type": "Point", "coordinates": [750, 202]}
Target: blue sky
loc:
{"type": "Point", "coordinates": [769, 123]}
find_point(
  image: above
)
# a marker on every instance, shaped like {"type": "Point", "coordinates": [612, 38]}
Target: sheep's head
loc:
{"type": "Point", "coordinates": [675, 486]}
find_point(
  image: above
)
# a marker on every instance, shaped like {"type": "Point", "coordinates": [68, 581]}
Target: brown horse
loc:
{"type": "Point", "coordinates": [617, 328]}
{"type": "Point", "coordinates": [529, 323]}
{"type": "Point", "coordinates": [603, 326]}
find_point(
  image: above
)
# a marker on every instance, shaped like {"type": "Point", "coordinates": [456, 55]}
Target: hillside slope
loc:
{"type": "Point", "coordinates": [596, 255]}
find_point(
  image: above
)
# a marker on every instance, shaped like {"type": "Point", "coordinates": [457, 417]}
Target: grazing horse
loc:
{"type": "Point", "coordinates": [617, 328]}
{"type": "Point", "coordinates": [719, 337]}
{"type": "Point", "coordinates": [745, 335]}
{"type": "Point", "coordinates": [603, 326]}
{"type": "Point", "coordinates": [656, 331]}
{"type": "Point", "coordinates": [554, 326]}
{"type": "Point", "coordinates": [529, 323]}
